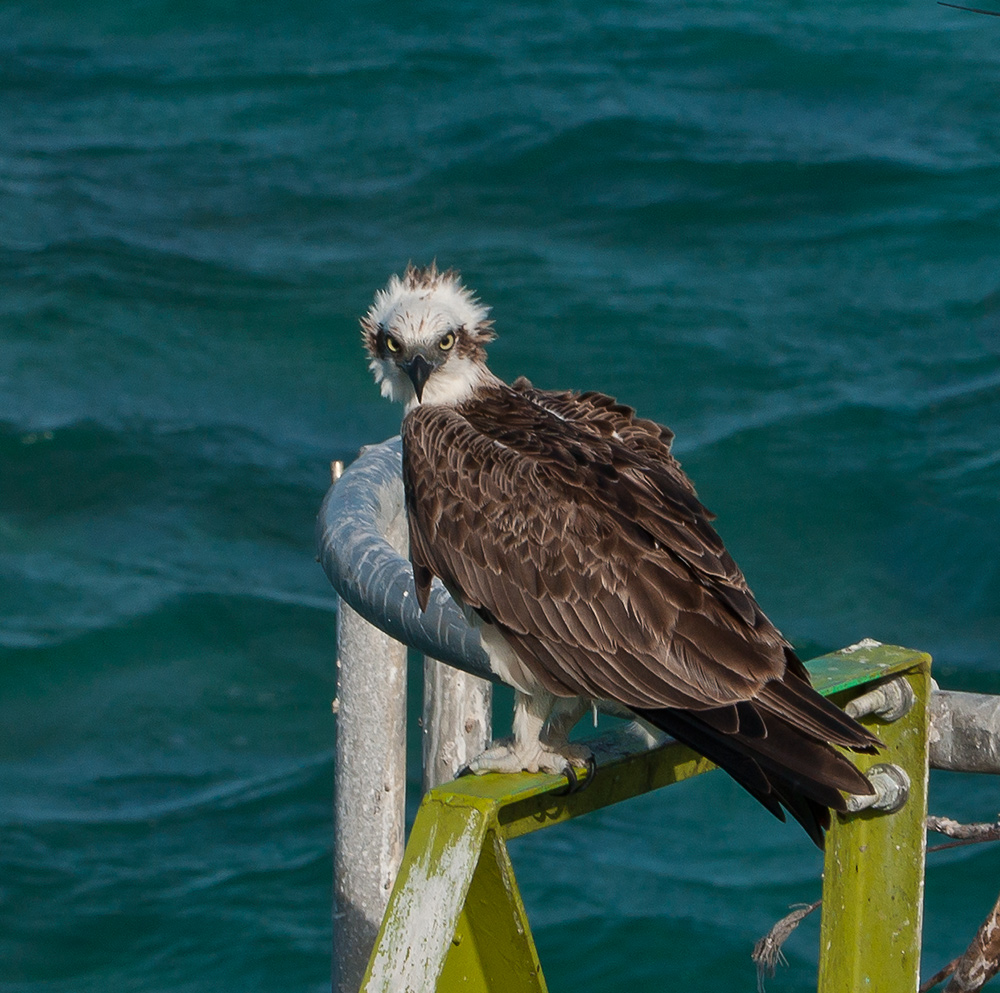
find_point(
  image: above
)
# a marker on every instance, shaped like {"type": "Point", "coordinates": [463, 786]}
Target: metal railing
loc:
{"type": "Point", "coordinates": [427, 936]}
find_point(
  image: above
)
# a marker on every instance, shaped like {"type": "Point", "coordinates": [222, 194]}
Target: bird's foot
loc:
{"type": "Point", "coordinates": [507, 755]}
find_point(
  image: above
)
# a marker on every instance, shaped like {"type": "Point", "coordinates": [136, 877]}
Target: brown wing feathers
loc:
{"type": "Point", "coordinates": [567, 522]}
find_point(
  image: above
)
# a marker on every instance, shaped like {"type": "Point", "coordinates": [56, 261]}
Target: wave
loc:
{"type": "Point", "coordinates": [163, 797]}
{"type": "Point", "coordinates": [222, 621]}
{"type": "Point", "coordinates": [207, 703]}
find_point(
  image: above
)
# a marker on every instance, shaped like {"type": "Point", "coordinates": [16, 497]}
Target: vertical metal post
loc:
{"type": "Point", "coordinates": [369, 826]}
{"type": "Point", "coordinates": [873, 880]}
{"type": "Point", "coordinates": [368, 817]}
{"type": "Point", "coordinates": [457, 720]}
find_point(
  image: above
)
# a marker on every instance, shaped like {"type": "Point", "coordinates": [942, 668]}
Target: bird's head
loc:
{"type": "Point", "coordinates": [425, 335]}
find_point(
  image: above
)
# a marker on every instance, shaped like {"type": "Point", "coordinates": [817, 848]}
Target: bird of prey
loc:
{"type": "Point", "coordinates": [566, 530]}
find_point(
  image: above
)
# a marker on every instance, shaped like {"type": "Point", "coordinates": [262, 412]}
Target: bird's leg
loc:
{"type": "Point", "coordinates": [539, 743]}
{"type": "Point", "coordinates": [563, 715]}
{"type": "Point", "coordinates": [566, 711]}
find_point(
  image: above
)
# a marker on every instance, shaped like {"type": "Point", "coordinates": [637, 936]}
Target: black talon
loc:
{"type": "Point", "coordinates": [574, 783]}
{"type": "Point", "coordinates": [571, 786]}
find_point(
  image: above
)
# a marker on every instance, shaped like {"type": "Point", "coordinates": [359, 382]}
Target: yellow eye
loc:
{"type": "Point", "coordinates": [391, 343]}
{"type": "Point", "coordinates": [447, 342]}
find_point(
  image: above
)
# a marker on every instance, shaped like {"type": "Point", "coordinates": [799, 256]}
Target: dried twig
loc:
{"type": "Point", "coordinates": [767, 952]}
{"type": "Point", "coordinates": [981, 961]}
{"type": "Point", "coordinates": [967, 834]}
{"type": "Point", "coordinates": [969, 972]}
{"type": "Point", "coordinates": [938, 977]}
{"type": "Point", "coordinates": [974, 10]}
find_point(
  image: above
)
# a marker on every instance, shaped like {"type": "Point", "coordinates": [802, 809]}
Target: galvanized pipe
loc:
{"type": "Point", "coordinates": [457, 721]}
{"type": "Point", "coordinates": [374, 577]}
{"type": "Point", "coordinates": [370, 795]}
{"type": "Point", "coordinates": [369, 805]}
{"type": "Point", "coordinates": [361, 534]}
{"type": "Point", "coordinates": [965, 732]}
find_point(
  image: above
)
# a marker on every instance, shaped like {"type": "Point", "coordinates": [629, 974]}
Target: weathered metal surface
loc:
{"type": "Point", "coordinates": [428, 897]}
{"type": "Point", "coordinates": [456, 881]}
{"type": "Point", "coordinates": [457, 720]}
{"type": "Point", "coordinates": [374, 577]}
{"type": "Point", "coordinates": [457, 920]}
{"type": "Point", "coordinates": [370, 795]}
{"type": "Point", "coordinates": [892, 789]}
{"type": "Point", "coordinates": [888, 701]}
{"type": "Point", "coordinates": [965, 732]}
{"type": "Point", "coordinates": [874, 867]}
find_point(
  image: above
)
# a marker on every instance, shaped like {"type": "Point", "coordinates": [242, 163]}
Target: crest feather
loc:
{"type": "Point", "coordinates": [423, 281]}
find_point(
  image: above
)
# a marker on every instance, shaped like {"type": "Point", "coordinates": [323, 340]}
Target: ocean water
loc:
{"type": "Point", "coordinates": [773, 226]}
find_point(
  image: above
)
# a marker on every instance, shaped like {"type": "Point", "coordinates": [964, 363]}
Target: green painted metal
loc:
{"type": "Point", "coordinates": [455, 917]}
{"type": "Point", "coordinates": [873, 886]}
{"type": "Point", "coordinates": [860, 664]}
{"type": "Point", "coordinates": [492, 948]}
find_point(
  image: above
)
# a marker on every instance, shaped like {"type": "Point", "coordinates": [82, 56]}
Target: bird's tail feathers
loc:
{"type": "Point", "coordinates": [795, 701]}
{"type": "Point", "coordinates": [781, 768]}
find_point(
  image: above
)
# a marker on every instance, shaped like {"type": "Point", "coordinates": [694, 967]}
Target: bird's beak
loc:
{"type": "Point", "coordinates": [418, 369]}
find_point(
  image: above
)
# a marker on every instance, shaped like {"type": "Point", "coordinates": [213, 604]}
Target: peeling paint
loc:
{"type": "Point", "coordinates": [862, 644]}
{"type": "Point", "coordinates": [425, 915]}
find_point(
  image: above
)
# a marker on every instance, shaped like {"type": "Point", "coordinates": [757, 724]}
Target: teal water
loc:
{"type": "Point", "coordinates": [774, 226]}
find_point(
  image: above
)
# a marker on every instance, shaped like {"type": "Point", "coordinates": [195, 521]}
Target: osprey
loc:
{"type": "Point", "coordinates": [566, 530]}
